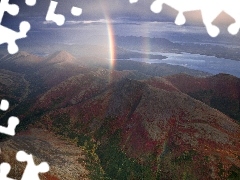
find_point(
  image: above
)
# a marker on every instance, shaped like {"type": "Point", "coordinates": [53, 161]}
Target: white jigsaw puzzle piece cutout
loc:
{"type": "Point", "coordinates": [210, 10]}
{"type": "Point", "coordinates": [30, 2]}
{"type": "Point", "coordinates": [76, 11]}
{"type": "Point", "coordinates": [7, 35]}
{"type": "Point", "coordinates": [59, 19]}
{"type": "Point", "coordinates": [4, 105]}
{"type": "Point", "coordinates": [31, 171]}
{"type": "Point", "coordinates": [12, 121]}
{"type": "Point", "coordinates": [12, 9]}
{"type": "Point", "coordinates": [208, 14]}
{"type": "Point", "coordinates": [133, 1]}
{"type": "Point", "coordinates": [12, 124]}
{"type": "Point", "coordinates": [4, 170]}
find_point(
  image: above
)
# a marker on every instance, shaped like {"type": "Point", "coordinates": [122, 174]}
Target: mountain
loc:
{"type": "Point", "coordinates": [128, 123]}
{"type": "Point", "coordinates": [156, 69]}
{"type": "Point", "coordinates": [58, 67]}
{"type": "Point", "coordinates": [60, 57]}
{"type": "Point", "coordinates": [144, 123]}
{"type": "Point", "coordinates": [13, 86]}
{"type": "Point", "coordinates": [20, 61]}
{"type": "Point", "coordinates": [221, 91]}
{"type": "Point", "coordinates": [154, 44]}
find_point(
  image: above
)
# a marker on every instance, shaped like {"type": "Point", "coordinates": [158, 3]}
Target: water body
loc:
{"type": "Point", "coordinates": [204, 63]}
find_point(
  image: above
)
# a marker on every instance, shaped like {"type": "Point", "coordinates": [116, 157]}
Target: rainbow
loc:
{"type": "Point", "coordinates": [111, 40]}
{"type": "Point", "coordinates": [111, 44]}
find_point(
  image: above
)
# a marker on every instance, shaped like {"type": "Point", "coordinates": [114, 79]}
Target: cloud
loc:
{"type": "Point", "coordinates": [48, 22]}
{"type": "Point", "coordinates": [86, 22]}
{"type": "Point", "coordinates": [103, 21]}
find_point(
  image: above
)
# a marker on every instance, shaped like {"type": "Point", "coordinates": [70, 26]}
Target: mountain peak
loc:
{"type": "Point", "coordinates": [17, 55]}
{"type": "Point", "coordinates": [61, 57]}
{"type": "Point", "coordinates": [22, 57]}
{"type": "Point", "coordinates": [224, 75]}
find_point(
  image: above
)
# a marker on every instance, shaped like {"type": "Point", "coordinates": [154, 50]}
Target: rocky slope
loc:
{"type": "Point", "coordinates": [67, 161]}
{"type": "Point", "coordinates": [221, 91]}
{"type": "Point", "coordinates": [149, 124]}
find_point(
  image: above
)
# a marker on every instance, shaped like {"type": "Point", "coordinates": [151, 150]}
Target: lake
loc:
{"type": "Point", "coordinates": [204, 63]}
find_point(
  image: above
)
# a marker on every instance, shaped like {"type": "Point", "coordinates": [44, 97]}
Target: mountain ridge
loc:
{"type": "Point", "coordinates": [131, 124]}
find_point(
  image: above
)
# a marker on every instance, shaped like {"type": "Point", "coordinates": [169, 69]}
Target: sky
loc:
{"type": "Point", "coordinates": [92, 26]}
{"type": "Point", "coordinates": [92, 9]}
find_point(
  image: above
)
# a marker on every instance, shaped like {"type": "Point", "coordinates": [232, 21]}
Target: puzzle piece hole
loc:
{"type": "Point", "coordinates": [133, 1]}
{"type": "Point", "coordinates": [233, 28]}
{"type": "Point", "coordinates": [13, 9]}
{"type": "Point", "coordinates": [180, 19]}
{"type": "Point", "coordinates": [12, 48]}
{"type": "Point", "coordinates": [5, 169]}
{"type": "Point", "coordinates": [10, 130]}
{"type": "Point", "coordinates": [4, 105]}
{"type": "Point", "coordinates": [30, 2]}
{"type": "Point", "coordinates": [156, 7]}
{"type": "Point", "coordinates": [51, 16]}
{"type": "Point", "coordinates": [32, 170]}
{"type": "Point", "coordinates": [76, 11]}
{"type": "Point", "coordinates": [24, 26]}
